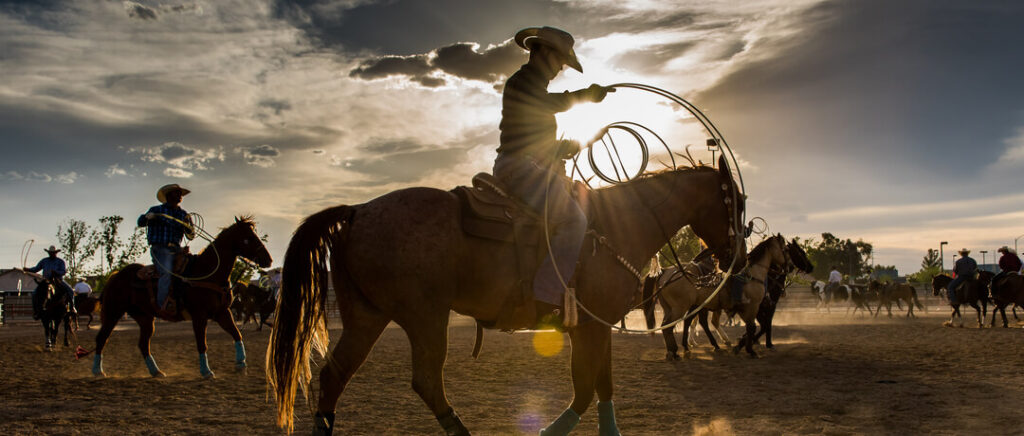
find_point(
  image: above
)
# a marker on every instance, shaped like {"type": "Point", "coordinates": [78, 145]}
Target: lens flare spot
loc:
{"type": "Point", "coordinates": [548, 343]}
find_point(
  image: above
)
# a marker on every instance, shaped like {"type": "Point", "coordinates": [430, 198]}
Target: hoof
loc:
{"type": "Point", "coordinates": [727, 343]}
{"type": "Point", "coordinates": [209, 376]}
{"type": "Point", "coordinates": [158, 374]}
{"type": "Point", "coordinates": [100, 374]}
{"type": "Point", "coordinates": [687, 354]}
{"type": "Point", "coordinates": [241, 370]}
{"type": "Point", "coordinates": [671, 357]}
{"type": "Point", "coordinates": [754, 356]}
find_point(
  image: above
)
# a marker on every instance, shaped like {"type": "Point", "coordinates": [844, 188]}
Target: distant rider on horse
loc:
{"type": "Point", "coordinates": [53, 269]}
{"type": "Point", "coordinates": [964, 269]}
{"type": "Point", "coordinates": [530, 157]}
{"type": "Point", "coordinates": [166, 224]}
{"type": "Point", "coordinates": [835, 278]}
{"type": "Point", "coordinates": [1009, 263]}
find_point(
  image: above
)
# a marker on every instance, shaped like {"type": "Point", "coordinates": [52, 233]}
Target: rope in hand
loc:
{"type": "Point", "coordinates": [722, 145]}
{"type": "Point", "coordinates": [193, 229]}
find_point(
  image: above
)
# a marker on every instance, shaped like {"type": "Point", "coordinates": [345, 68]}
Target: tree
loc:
{"type": "Point", "coordinates": [242, 272]}
{"type": "Point", "coordinates": [72, 235]}
{"type": "Point", "coordinates": [884, 273]}
{"type": "Point", "coordinates": [116, 252]}
{"type": "Point", "coordinates": [686, 244]}
{"type": "Point", "coordinates": [931, 260]}
{"type": "Point", "coordinates": [849, 257]}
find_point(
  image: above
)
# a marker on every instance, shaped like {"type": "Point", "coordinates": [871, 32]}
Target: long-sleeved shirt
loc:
{"type": "Point", "coordinates": [50, 266]}
{"type": "Point", "coordinates": [161, 230]}
{"type": "Point", "coordinates": [1009, 263]}
{"type": "Point", "coordinates": [528, 111]}
{"type": "Point", "coordinates": [835, 277]}
{"type": "Point", "coordinates": [965, 266]}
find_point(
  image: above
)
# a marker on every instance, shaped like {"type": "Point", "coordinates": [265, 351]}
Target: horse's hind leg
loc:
{"type": "Point", "coordinates": [146, 329]}
{"type": "Point", "coordinates": [702, 318]}
{"type": "Point", "coordinates": [363, 325]}
{"type": "Point", "coordinates": [429, 340]}
{"type": "Point", "coordinates": [227, 322]}
{"type": "Point", "coordinates": [671, 349]}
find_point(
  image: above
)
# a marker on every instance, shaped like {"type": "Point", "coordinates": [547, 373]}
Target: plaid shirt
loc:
{"type": "Point", "coordinates": [163, 231]}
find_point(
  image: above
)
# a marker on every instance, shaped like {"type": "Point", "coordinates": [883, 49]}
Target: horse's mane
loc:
{"type": "Point", "coordinates": [240, 220]}
{"type": "Point", "coordinates": [760, 249]}
{"type": "Point", "coordinates": [657, 174]}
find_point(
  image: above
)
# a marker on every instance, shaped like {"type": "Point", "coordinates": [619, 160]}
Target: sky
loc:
{"type": "Point", "coordinates": [899, 123]}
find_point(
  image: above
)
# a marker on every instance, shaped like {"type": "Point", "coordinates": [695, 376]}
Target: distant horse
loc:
{"type": "Point", "coordinates": [678, 293]}
{"type": "Point", "coordinates": [86, 305]}
{"type": "Point", "coordinates": [856, 294]}
{"type": "Point", "coordinates": [203, 299]}
{"type": "Point", "coordinates": [776, 289]}
{"type": "Point", "coordinates": [55, 311]}
{"type": "Point", "coordinates": [973, 292]}
{"type": "Point", "coordinates": [254, 300]}
{"type": "Point", "coordinates": [1008, 290]}
{"type": "Point", "coordinates": [895, 292]}
{"type": "Point", "coordinates": [679, 297]}
{"type": "Point", "coordinates": [404, 257]}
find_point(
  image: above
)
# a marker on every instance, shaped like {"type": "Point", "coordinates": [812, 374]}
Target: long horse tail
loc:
{"type": "Point", "coordinates": [913, 294]}
{"type": "Point", "coordinates": [300, 322]}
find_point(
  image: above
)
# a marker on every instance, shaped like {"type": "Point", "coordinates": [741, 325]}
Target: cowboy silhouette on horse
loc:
{"type": "Point", "coordinates": [166, 224]}
{"type": "Point", "coordinates": [531, 161]}
{"type": "Point", "coordinates": [53, 269]}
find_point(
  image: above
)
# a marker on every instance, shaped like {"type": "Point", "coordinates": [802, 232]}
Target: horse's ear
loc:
{"type": "Point", "coordinates": [237, 220]}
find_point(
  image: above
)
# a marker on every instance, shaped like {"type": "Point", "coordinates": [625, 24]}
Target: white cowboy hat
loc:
{"type": "Point", "coordinates": [161, 194]}
{"type": "Point", "coordinates": [964, 251]}
{"type": "Point", "coordinates": [558, 39]}
{"type": "Point", "coordinates": [52, 249]}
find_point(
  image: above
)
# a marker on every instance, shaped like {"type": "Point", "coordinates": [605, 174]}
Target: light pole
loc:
{"type": "Point", "coordinates": [942, 259]}
{"type": "Point", "coordinates": [983, 257]}
{"type": "Point", "coordinates": [712, 144]}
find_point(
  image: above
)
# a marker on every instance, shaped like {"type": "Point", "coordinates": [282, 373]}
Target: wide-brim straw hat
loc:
{"type": "Point", "coordinates": [964, 251]}
{"type": "Point", "coordinates": [558, 39]}
{"type": "Point", "coordinates": [1006, 249]}
{"type": "Point", "coordinates": [161, 194]}
{"type": "Point", "coordinates": [52, 249]}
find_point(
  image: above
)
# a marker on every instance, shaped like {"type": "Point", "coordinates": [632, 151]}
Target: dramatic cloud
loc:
{"type": "Point", "coordinates": [139, 11]}
{"type": "Point", "coordinates": [260, 156]}
{"type": "Point", "coordinates": [463, 60]}
{"type": "Point", "coordinates": [181, 159]}
{"type": "Point", "coordinates": [33, 176]}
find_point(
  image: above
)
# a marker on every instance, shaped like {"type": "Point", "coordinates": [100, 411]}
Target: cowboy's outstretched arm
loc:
{"type": "Point", "coordinates": [36, 268]}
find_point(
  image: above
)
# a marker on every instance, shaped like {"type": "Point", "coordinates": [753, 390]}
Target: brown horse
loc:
{"type": "Point", "coordinates": [204, 299]}
{"type": "Point", "coordinates": [55, 311]}
{"type": "Point", "coordinates": [253, 301]}
{"type": "Point", "coordinates": [1008, 290]}
{"type": "Point", "coordinates": [404, 257]}
{"type": "Point", "coordinates": [895, 292]}
{"type": "Point", "coordinates": [776, 289]}
{"type": "Point", "coordinates": [973, 292]}
{"type": "Point", "coordinates": [683, 295]}
{"type": "Point", "coordinates": [86, 305]}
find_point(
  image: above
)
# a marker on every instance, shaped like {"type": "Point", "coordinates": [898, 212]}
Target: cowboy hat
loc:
{"type": "Point", "coordinates": [52, 249]}
{"type": "Point", "coordinates": [558, 39]}
{"type": "Point", "coordinates": [1006, 249]}
{"type": "Point", "coordinates": [161, 194]}
{"type": "Point", "coordinates": [964, 251]}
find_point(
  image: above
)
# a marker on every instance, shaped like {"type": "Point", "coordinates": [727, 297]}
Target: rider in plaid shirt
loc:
{"type": "Point", "coordinates": [164, 235]}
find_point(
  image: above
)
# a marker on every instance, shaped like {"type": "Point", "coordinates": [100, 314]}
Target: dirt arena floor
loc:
{"type": "Point", "coordinates": [830, 374]}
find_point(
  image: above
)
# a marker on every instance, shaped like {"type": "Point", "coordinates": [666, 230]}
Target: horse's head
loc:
{"type": "Point", "coordinates": [985, 277]}
{"type": "Point", "coordinates": [44, 287]}
{"type": "Point", "coordinates": [799, 257]}
{"type": "Point", "coordinates": [773, 249]}
{"type": "Point", "coordinates": [720, 221]}
{"type": "Point", "coordinates": [246, 243]}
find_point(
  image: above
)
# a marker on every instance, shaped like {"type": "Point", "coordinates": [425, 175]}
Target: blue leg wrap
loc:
{"type": "Point", "coordinates": [151, 365]}
{"type": "Point", "coordinates": [606, 419]}
{"type": "Point", "coordinates": [204, 366]}
{"type": "Point", "coordinates": [563, 425]}
{"type": "Point", "coordinates": [239, 354]}
{"type": "Point", "coordinates": [97, 364]}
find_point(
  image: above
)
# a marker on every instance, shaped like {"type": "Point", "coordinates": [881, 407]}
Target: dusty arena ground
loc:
{"type": "Point", "coordinates": [831, 374]}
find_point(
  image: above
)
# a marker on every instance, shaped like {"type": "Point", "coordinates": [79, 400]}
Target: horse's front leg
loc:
{"type": "Point", "coordinates": [589, 347]}
{"type": "Point", "coordinates": [702, 318]}
{"type": "Point", "coordinates": [199, 329]}
{"type": "Point", "coordinates": [606, 425]}
{"type": "Point", "coordinates": [146, 329]}
{"type": "Point", "coordinates": [227, 322]}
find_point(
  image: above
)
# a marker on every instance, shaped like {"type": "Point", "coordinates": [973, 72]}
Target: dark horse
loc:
{"type": "Point", "coordinates": [252, 301]}
{"type": "Point", "coordinates": [1008, 290]}
{"type": "Point", "coordinates": [972, 292]}
{"type": "Point", "coordinates": [86, 305]}
{"type": "Point", "coordinates": [55, 311]}
{"type": "Point", "coordinates": [404, 257]}
{"type": "Point", "coordinates": [204, 299]}
{"type": "Point", "coordinates": [776, 288]}
{"type": "Point", "coordinates": [895, 292]}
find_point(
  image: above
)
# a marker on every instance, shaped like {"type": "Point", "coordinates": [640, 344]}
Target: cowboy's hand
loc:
{"type": "Point", "coordinates": [568, 148]}
{"type": "Point", "coordinates": [598, 92]}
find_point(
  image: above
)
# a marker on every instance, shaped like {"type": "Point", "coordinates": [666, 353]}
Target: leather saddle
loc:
{"type": "Point", "coordinates": [148, 276]}
{"type": "Point", "coordinates": [490, 212]}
